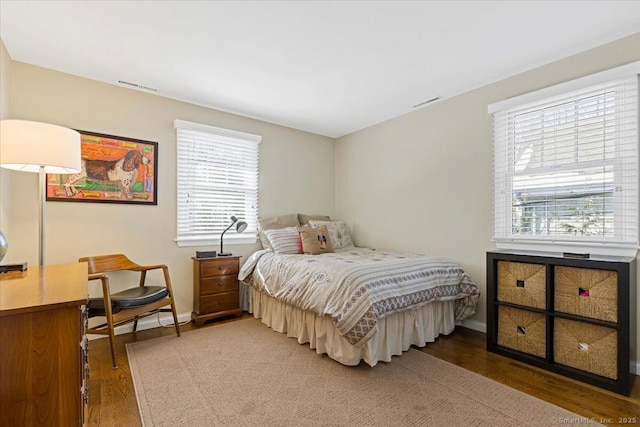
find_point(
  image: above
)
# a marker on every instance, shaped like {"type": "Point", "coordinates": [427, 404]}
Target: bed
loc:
{"type": "Point", "coordinates": [352, 303]}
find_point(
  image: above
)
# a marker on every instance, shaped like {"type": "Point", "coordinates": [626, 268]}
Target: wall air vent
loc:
{"type": "Point", "coordinates": [429, 101]}
{"type": "Point", "coordinates": [138, 86]}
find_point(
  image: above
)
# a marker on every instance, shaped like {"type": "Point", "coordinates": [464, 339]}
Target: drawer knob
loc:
{"type": "Point", "coordinates": [220, 302]}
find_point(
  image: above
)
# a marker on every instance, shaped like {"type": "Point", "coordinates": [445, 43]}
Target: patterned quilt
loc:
{"type": "Point", "coordinates": [357, 286]}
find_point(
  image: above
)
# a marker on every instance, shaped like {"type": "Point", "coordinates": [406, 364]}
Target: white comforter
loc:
{"type": "Point", "coordinates": [358, 286]}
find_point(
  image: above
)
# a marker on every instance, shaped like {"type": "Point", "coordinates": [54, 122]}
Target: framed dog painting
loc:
{"type": "Point", "coordinates": [114, 170]}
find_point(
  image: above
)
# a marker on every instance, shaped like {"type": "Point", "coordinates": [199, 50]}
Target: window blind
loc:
{"type": "Point", "coordinates": [217, 176]}
{"type": "Point", "coordinates": [566, 166]}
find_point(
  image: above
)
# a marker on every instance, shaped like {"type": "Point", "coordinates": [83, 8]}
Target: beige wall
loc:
{"type": "Point", "coordinates": [423, 182]}
{"type": "Point", "coordinates": [288, 178]}
{"type": "Point", "coordinates": [5, 85]}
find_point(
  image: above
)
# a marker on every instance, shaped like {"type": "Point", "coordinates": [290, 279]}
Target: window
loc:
{"type": "Point", "coordinates": [566, 163]}
{"type": "Point", "coordinates": [217, 177]}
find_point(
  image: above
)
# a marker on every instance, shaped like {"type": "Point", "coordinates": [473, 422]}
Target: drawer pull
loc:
{"type": "Point", "coordinates": [220, 302]}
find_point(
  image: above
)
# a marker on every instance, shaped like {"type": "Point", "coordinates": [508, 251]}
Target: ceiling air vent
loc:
{"type": "Point", "coordinates": [429, 101]}
{"type": "Point", "coordinates": [138, 86]}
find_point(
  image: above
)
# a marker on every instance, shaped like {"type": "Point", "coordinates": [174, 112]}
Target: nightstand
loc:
{"type": "Point", "coordinates": [215, 288]}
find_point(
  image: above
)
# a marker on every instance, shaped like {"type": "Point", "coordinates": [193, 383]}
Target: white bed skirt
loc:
{"type": "Point", "coordinates": [396, 332]}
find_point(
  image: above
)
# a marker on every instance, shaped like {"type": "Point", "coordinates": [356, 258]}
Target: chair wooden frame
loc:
{"type": "Point", "coordinates": [98, 266]}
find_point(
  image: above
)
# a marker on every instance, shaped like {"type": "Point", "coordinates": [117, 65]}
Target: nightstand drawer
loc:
{"type": "Point", "coordinates": [219, 302]}
{"type": "Point", "coordinates": [218, 284]}
{"type": "Point", "coordinates": [220, 267]}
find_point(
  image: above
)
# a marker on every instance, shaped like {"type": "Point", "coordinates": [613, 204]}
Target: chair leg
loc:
{"type": "Point", "coordinates": [167, 281]}
{"type": "Point", "coordinates": [112, 342]}
{"type": "Point", "coordinates": [109, 315]}
{"type": "Point", "coordinates": [175, 317]}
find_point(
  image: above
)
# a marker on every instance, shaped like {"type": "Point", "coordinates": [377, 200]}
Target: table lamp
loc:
{"type": "Point", "coordinates": [240, 227]}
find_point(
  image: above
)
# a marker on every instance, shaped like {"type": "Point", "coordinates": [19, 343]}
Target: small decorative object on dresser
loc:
{"type": "Point", "coordinates": [215, 288]}
{"type": "Point", "coordinates": [3, 246]}
{"type": "Point", "coordinates": [573, 316]}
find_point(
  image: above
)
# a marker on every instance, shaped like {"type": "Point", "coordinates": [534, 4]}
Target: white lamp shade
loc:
{"type": "Point", "coordinates": [26, 146]}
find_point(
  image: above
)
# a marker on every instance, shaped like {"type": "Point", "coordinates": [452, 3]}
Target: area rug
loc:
{"type": "Point", "coordinates": [243, 373]}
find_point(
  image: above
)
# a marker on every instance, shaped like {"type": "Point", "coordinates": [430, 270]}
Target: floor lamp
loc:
{"type": "Point", "coordinates": [43, 148]}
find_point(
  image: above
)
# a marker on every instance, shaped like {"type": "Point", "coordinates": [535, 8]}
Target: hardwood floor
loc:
{"type": "Point", "coordinates": [112, 400]}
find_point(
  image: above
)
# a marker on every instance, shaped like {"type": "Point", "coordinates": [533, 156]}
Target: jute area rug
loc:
{"type": "Point", "coordinates": [244, 374]}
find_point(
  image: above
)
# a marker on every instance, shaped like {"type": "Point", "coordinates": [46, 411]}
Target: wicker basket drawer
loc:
{"type": "Point", "coordinates": [522, 284]}
{"type": "Point", "coordinates": [587, 347]}
{"type": "Point", "coordinates": [522, 330]}
{"type": "Point", "coordinates": [586, 292]}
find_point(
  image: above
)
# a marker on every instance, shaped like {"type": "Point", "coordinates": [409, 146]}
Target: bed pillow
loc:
{"type": "Point", "coordinates": [275, 223]}
{"type": "Point", "coordinates": [284, 240]}
{"type": "Point", "coordinates": [315, 240]}
{"type": "Point", "coordinates": [338, 232]}
{"type": "Point", "coordinates": [304, 219]}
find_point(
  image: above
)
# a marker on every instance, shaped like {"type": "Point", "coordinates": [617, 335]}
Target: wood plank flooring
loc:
{"type": "Point", "coordinates": [112, 401]}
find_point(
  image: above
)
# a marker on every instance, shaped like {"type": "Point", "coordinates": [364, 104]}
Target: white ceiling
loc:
{"type": "Point", "coordinates": [325, 67]}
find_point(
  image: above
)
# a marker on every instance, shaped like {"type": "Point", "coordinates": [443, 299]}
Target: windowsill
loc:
{"type": "Point", "coordinates": [249, 240]}
{"type": "Point", "coordinates": [593, 249]}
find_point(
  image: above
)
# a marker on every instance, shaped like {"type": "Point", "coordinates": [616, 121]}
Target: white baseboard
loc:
{"type": "Point", "coordinates": [156, 321]}
{"type": "Point", "coordinates": [475, 325]}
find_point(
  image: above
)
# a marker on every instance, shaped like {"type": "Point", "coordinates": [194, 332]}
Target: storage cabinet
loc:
{"type": "Point", "coordinates": [43, 346]}
{"type": "Point", "coordinates": [215, 288]}
{"type": "Point", "coordinates": [572, 316]}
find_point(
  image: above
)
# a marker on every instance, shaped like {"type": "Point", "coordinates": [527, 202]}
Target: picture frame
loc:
{"type": "Point", "coordinates": [115, 169]}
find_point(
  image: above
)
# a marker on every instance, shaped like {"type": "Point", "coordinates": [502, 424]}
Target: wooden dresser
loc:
{"type": "Point", "coordinates": [215, 288]}
{"type": "Point", "coordinates": [575, 317]}
{"type": "Point", "coordinates": [43, 359]}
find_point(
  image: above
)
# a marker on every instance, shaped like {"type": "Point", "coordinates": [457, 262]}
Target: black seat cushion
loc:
{"type": "Point", "coordinates": [129, 298]}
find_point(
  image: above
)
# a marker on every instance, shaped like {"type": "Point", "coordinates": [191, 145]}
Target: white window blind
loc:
{"type": "Point", "coordinates": [566, 166]}
{"type": "Point", "coordinates": [217, 177]}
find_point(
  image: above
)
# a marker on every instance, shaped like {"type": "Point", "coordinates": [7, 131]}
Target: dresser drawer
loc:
{"type": "Point", "coordinates": [219, 302]}
{"type": "Point", "coordinates": [217, 284]}
{"type": "Point", "coordinates": [219, 267]}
